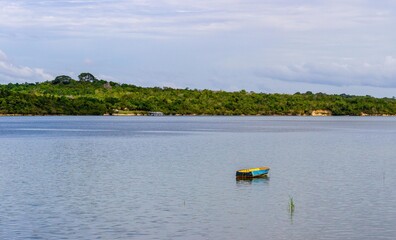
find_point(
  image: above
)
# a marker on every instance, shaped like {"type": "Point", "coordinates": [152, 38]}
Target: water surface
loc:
{"type": "Point", "coordinates": [173, 178]}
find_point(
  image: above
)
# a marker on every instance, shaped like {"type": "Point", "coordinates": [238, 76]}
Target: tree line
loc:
{"type": "Point", "coordinates": [88, 95]}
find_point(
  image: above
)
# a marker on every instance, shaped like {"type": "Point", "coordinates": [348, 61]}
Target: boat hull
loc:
{"type": "Point", "coordinates": [252, 172]}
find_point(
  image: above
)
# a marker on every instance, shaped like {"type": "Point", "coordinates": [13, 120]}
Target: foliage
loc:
{"type": "Point", "coordinates": [63, 79]}
{"type": "Point", "coordinates": [291, 205]}
{"type": "Point", "coordinates": [90, 96]}
{"type": "Point", "coordinates": [86, 77]}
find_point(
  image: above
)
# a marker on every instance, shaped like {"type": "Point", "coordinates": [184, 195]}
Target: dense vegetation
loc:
{"type": "Point", "coordinates": [90, 96]}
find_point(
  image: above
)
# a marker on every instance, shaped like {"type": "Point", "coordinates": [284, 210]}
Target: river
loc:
{"type": "Point", "coordinates": [174, 178]}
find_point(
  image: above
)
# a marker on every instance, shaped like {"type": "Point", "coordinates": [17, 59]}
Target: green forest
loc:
{"type": "Point", "coordinates": [90, 96]}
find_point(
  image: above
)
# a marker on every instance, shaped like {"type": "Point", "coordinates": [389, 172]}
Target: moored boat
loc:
{"type": "Point", "coordinates": [252, 172]}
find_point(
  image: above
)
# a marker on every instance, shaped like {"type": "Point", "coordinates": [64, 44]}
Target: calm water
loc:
{"type": "Point", "coordinates": [173, 178]}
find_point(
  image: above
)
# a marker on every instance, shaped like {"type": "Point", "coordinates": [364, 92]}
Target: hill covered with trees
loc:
{"type": "Point", "coordinates": [90, 96]}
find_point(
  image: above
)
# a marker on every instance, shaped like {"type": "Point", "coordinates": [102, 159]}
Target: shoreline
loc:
{"type": "Point", "coordinates": [189, 115]}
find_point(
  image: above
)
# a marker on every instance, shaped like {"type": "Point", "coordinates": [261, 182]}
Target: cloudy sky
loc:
{"type": "Point", "coordinates": [285, 46]}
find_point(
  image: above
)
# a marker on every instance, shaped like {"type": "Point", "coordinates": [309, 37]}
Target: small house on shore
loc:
{"type": "Point", "coordinates": [155, 114]}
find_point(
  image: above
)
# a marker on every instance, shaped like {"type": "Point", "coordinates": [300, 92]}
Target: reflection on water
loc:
{"type": "Point", "coordinates": [291, 208]}
{"type": "Point", "coordinates": [248, 181]}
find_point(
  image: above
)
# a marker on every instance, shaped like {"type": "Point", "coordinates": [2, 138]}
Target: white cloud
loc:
{"type": "Point", "coordinates": [12, 73]}
{"type": "Point", "coordinates": [344, 72]}
{"type": "Point", "coordinates": [208, 43]}
{"type": "Point", "coordinates": [3, 56]}
{"type": "Point", "coordinates": [176, 17]}
{"type": "Point", "coordinates": [88, 61]}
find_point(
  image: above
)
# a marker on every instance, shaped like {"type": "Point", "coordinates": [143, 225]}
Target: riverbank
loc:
{"type": "Point", "coordinates": [193, 115]}
{"type": "Point", "coordinates": [100, 97]}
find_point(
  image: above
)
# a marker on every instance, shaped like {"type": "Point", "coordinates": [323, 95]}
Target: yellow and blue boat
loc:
{"type": "Point", "coordinates": [252, 172]}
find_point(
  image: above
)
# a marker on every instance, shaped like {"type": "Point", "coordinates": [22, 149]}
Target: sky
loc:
{"type": "Point", "coordinates": [269, 46]}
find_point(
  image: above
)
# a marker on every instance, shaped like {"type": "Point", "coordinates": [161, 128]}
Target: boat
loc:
{"type": "Point", "coordinates": [252, 172]}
